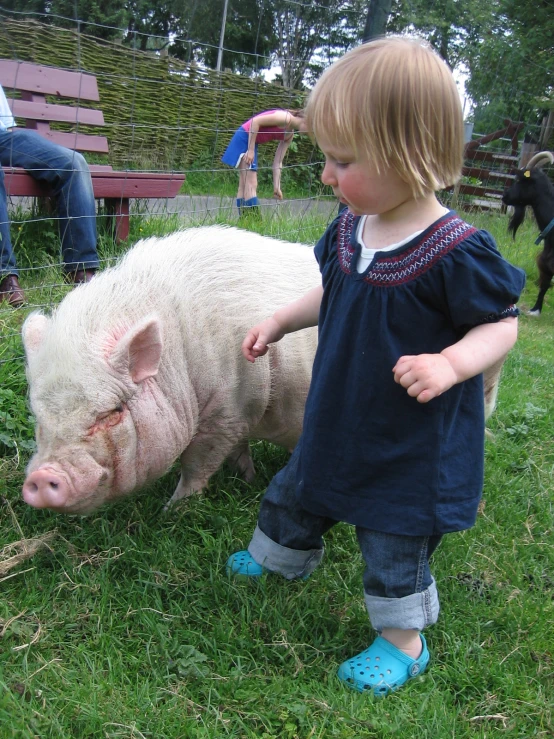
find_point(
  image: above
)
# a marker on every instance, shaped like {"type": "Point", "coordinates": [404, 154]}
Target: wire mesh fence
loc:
{"type": "Point", "coordinates": [165, 111]}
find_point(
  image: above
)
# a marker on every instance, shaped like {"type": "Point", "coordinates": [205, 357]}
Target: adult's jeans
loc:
{"type": "Point", "coordinates": [399, 589]}
{"type": "Point", "coordinates": [68, 175]}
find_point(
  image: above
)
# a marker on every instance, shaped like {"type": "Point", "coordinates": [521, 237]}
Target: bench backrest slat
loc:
{"type": "Point", "coordinates": [40, 111]}
{"type": "Point", "coordinates": [78, 141]}
{"type": "Point", "coordinates": [47, 80]}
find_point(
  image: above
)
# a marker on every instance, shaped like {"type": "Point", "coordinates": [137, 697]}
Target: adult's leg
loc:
{"type": "Point", "coordinates": [243, 171]}
{"type": "Point", "coordinates": [67, 172]}
{"type": "Point", "coordinates": [7, 258]}
{"type": "Point", "coordinates": [250, 184]}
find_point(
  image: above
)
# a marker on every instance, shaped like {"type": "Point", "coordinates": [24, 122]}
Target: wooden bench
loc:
{"type": "Point", "coordinates": [34, 82]}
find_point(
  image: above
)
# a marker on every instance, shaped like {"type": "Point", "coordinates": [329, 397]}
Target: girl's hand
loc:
{"type": "Point", "coordinates": [248, 157]}
{"type": "Point", "coordinates": [257, 339]}
{"type": "Point", "coordinates": [425, 376]}
{"type": "Point", "coordinates": [277, 193]}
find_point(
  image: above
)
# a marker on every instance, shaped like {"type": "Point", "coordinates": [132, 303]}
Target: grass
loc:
{"type": "Point", "coordinates": [124, 624]}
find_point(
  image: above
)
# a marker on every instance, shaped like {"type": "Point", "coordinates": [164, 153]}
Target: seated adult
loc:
{"type": "Point", "coordinates": [68, 175]}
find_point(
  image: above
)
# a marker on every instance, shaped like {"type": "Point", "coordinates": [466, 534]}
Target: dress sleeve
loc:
{"type": "Point", "coordinates": [327, 244]}
{"type": "Point", "coordinates": [480, 286]}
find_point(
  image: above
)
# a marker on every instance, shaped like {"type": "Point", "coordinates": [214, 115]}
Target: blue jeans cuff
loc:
{"type": "Point", "coordinates": [290, 563]}
{"type": "Point", "coordinates": [414, 611]}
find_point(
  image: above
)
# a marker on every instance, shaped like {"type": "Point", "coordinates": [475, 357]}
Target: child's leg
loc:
{"type": "Point", "coordinates": [400, 592]}
{"type": "Point", "coordinates": [287, 539]}
{"type": "Point", "coordinates": [401, 599]}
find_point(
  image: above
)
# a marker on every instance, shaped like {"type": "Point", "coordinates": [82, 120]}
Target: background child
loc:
{"type": "Point", "coordinates": [414, 305]}
{"type": "Point", "coordinates": [242, 152]}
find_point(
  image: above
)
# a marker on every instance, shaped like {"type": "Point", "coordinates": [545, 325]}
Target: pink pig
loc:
{"type": "Point", "coordinates": [143, 365]}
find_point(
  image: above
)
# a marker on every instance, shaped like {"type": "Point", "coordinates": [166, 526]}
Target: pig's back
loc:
{"type": "Point", "coordinates": [208, 272]}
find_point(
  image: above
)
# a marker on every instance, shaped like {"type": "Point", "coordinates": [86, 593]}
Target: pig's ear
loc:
{"type": "Point", "coordinates": [138, 352]}
{"type": "Point", "coordinates": [33, 331]}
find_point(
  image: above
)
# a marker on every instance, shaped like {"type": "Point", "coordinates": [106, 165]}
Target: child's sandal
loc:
{"type": "Point", "coordinates": [242, 563]}
{"type": "Point", "coordinates": [382, 668]}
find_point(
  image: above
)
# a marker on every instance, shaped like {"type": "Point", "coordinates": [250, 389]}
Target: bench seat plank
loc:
{"type": "Point", "coordinates": [105, 182]}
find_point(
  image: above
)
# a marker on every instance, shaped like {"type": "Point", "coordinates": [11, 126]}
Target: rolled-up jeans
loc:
{"type": "Point", "coordinates": [399, 590]}
{"type": "Point", "coordinates": [68, 175]}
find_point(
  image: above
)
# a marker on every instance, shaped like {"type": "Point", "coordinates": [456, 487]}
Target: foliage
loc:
{"type": "Point", "coordinates": [101, 18]}
{"type": "Point", "coordinates": [447, 25]}
{"type": "Point", "coordinates": [511, 65]}
{"type": "Point", "coordinates": [309, 36]}
{"type": "Point", "coordinates": [503, 47]}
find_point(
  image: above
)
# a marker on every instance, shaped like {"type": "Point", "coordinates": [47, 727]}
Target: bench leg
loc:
{"type": "Point", "coordinates": [119, 207]}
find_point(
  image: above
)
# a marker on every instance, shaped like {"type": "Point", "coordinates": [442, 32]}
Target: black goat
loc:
{"type": "Point", "coordinates": [533, 188]}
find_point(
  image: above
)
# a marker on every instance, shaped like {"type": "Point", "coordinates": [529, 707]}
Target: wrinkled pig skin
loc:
{"type": "Point", "coordinates": [143, 365]}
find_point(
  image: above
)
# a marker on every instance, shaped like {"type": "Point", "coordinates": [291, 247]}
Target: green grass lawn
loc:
{"type": "Point", "coordinates": [124, 624]}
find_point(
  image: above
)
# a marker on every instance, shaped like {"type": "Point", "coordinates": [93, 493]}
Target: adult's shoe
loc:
{"type": "Point", "coordinates": [11, 292]}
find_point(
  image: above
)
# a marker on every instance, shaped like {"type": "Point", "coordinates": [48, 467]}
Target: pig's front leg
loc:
{"type": "Point", "coordinates": [201, 459]}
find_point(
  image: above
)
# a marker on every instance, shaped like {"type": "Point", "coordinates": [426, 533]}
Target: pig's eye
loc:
{"type": "Point", "coordinates": [107, 419]}
{"type": "Point", "coordinates": [111, 415]}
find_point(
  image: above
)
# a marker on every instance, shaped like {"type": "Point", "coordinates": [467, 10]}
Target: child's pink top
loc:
{"type": "Point", "coordinates": [266, 133]}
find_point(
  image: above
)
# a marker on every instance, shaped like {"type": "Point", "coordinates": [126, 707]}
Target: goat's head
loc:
{"type": "Point", "coordinates": [526, 189]}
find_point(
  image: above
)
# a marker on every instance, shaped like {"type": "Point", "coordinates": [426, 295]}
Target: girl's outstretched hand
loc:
{"type": "Point", "coordinates": [257, 339]}
{"type": "Point", "coordinates": [425, 376]}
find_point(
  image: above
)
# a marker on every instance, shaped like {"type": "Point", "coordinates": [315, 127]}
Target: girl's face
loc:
{"type": "Point", "coordinates": [356, 183]}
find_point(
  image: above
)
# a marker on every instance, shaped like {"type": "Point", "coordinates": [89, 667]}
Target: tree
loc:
{"type": "Point", "coordinates": [504, 47]}
{"type": "Point", "coordinates": [512, 64]}
{"type": "Point", "coordinates": [378, 12]}
{"type": "Point", "coordinates": [100, 18]}
{"type": "Point", "coordinates": [309, 36]}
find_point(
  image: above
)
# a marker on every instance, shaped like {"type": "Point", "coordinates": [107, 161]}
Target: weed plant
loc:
{"type": "Point", "coordinates": [124, 623]}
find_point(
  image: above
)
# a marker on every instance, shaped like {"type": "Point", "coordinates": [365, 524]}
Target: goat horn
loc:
{"type": "Point", "coordinates": [540, 158]}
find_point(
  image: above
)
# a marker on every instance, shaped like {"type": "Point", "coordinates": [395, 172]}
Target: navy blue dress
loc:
{"type": "Point", "coordinates": [370, 454]}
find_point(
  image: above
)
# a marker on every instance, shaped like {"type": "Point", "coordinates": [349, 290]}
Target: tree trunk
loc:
{"type": "Point", "coordinates": [378, 12]}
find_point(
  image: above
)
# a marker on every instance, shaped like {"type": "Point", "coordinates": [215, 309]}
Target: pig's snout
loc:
{"type": "Point", "coordinates": [43, 488]}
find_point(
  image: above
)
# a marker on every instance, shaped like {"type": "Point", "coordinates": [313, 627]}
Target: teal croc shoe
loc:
{"type": "Point", "coordinates": [242, 563]}
{"type": "Point", "coordinates": [382, 668]}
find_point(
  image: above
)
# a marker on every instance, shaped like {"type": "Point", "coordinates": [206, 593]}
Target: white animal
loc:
{"type": "Point", "coordinates": [143, 365]}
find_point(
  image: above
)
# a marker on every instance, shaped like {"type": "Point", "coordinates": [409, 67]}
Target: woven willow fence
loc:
{"type": "Point", "coordinates": [160, 112]}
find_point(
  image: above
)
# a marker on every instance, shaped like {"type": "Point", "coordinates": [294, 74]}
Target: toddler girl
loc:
{"type": "Point", "coordinates": [414, 305]}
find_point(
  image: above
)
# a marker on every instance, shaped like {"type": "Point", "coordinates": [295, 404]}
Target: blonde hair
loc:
{"type": "Point", "coordinates": [393, 101]}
